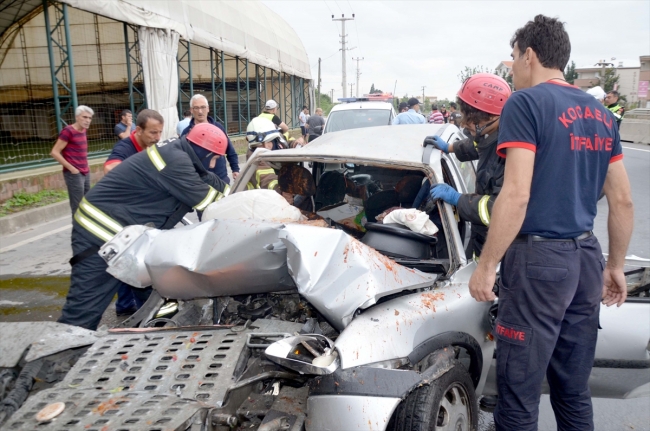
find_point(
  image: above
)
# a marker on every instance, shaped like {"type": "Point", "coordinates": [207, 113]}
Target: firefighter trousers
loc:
{"type": "Point", "coordinates": [91, 288]}
{"type": "Point", "coordinates": [547, 325]}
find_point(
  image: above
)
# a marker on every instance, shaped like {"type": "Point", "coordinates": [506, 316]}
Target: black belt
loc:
{"type": "Point", "coordinates": [524, 238]}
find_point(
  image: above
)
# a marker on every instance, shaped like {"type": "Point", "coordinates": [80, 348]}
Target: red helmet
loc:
{"type": "Point", "coordinates": [486, 92]}
{"type": "Point", "coordinates": [210, 137]}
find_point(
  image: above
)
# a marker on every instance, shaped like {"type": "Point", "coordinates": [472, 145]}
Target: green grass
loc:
{"type": "Point", "coordinates": [23, 201]}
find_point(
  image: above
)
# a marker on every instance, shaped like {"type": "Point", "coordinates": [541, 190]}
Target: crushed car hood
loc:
{"type": "Point", "coordinates": [334, 272]}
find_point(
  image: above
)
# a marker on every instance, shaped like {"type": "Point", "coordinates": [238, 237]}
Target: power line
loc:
{"type": "Point", "coordinates": [337, 5]}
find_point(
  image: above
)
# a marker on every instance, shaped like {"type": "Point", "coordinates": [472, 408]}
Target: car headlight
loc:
{"type": "Point", "coordinates": [306, 354]}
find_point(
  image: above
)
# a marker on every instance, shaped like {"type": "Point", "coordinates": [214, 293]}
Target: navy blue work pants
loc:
{"type": "Point", "coordinates": [91, 288]}
{"type": "Point", "coordinates": [549, 304]}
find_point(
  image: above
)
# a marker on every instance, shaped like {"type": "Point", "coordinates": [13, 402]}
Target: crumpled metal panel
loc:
{"type": "Point", "coordinates": [218, 258]}
{"type": "Point", "coordinates": [339, 274]}
{"type": "Point", "coordinates": [94, 410]}
{"type": "Point", "coordinates": [125, 252]}
{"type": "Point", "coordinates": [197, 365]}
{"type": "Point", "coordinates": [45, 338]}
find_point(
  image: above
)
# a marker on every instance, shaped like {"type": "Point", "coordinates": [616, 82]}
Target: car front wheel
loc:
{"type": "Point", "coordinates": [447, 404]}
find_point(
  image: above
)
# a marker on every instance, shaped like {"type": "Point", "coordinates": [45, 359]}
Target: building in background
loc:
{"type": "Point", "coordinates": [504, 68]}
{"type": "Point", "coordinates": [133, 54]}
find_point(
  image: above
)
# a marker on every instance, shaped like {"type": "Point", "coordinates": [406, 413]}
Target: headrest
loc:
{"type": "Point", "coordinates": [297, 180]}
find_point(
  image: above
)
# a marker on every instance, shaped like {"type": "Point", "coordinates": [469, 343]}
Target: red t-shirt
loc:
{"type": "Point", "coordinates": [76, 150]}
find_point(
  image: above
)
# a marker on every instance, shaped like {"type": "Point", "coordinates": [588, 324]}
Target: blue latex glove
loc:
{"type": "Point", "coordinates": [437, 142]}
{"type": "Point", "coordinates": [446, 193]}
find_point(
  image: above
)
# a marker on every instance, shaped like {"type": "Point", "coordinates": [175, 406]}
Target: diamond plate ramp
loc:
{"type": "Point", "coordinates": [97, 410]}
{"type": "Point", "coordinates": [196, 365]}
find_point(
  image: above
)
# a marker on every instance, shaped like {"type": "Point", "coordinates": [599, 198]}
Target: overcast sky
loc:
{"type": "Point", "coordinates": [428, 43]}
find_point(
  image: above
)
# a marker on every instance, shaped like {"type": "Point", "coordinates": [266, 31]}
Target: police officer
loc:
{"type": "Point", "coordinates": [562, 149]}
{"type": "Point", "coordinates": [481, 99]}
{"type": "Point", "coordinates": [158, 186]}
{"type": "Point", "coordinates": [611, 101]}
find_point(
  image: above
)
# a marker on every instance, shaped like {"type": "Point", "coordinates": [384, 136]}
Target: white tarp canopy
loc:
{"type": "Point", "coordinates": [247, 29]}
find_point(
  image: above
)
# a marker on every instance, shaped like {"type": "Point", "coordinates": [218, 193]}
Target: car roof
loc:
{"type": "Point", "coordinates": [368, 104]}
{"type": "Point", "coordinates": [400, 144]}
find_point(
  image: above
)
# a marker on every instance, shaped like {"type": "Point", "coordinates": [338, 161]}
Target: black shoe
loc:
{"type": "Point", "coordinates": [127, 312]}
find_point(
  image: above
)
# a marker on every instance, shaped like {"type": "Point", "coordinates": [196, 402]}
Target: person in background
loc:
{"type": "Point", "coordinates": [124, 128]}
{"type": "Point", "coordinates": [71, 151]}
{"type": "Point", "coordinates": [412, 116]}
{"type": "Point", "coordinates": [200, 110]}
{"type": "Point", "coordinates": [149, 127]}
{"type": "Point", "coordinates": [445, 114]}
{"type": "Point", "coordinates": [304, 116]}
{"type": "Point", "coordinates": [403, 107]}
{"type": "Point", "coordinates": [315, 124]}
{"type": "Point", "coordinates": [436, 116]}
{"type": "Point", "coordinates": [611, 101]}
{"type": "Point", "coordinates": [454, 115]}
{"type": "Point", "coordinates": [271, 113]}
{"type": "Point", "coordinates": [182, 125]}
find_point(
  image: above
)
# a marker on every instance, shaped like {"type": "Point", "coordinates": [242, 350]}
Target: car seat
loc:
{"type": "Point", "coordinates": [297, 180]}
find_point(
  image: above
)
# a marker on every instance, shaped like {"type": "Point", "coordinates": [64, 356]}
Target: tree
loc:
{"type": "Point", "coordinates": [469, 71]}
{"type": "Point", "coordinates": [570, 74]}
{"type": "Point", "coordinates": [508, 78]}
{"type": "Point", "coordinates": [374, 90]}
{"type": "Point", "coordinates": [610, 79]}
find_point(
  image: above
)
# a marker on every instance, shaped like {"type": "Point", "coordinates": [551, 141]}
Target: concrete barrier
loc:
{"type": "Point", "coordinates": [635, 130]}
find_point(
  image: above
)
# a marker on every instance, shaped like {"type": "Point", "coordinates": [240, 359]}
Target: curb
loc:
{"type": "Point", "coordinates": [25, 219]}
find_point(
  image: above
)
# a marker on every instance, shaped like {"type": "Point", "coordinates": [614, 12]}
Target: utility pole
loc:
{"type": "Point", "coordinates": [358, 73]}
{"type": "Point", "coordinates": [423, 87]}
{"type": "Point", "coordinates": [351, 85]}
{"type": "Point", "coordinates": [332, 96]}
{"type": "Point", "coordinates": [318, 100]}
{"type": "Point", "coordinates": [343, 49]}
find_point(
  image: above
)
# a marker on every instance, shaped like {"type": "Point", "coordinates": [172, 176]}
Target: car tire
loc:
{"type": "Point", "coordinates": [449, 403]}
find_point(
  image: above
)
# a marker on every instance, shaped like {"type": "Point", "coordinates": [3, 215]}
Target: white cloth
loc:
{"type": "Point", "coordinates": [597, 92]}
{"type": "Point", "coordinates": [158, 49]}
{"type": "Point", "coordinates": [253, 204]}
{"type": "Point", "coordinates": [417, 221]}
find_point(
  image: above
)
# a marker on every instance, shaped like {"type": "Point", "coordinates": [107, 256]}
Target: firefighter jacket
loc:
{"type": "Point", "coordinates": [476, 207]}
{"type": "Point", "coordinates": [158, 186]}
{"type": "Point", "coordinates": [618, 112]}
{"type": "Point", "coordinates": [265, 177]}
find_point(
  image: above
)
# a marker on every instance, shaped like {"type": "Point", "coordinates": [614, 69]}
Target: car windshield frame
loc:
{"type": "Point", "coordinates": [351, 119]}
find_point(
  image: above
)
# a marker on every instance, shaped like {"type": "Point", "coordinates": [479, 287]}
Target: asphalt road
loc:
{"type": "Point", "coordinates": [43, 251]}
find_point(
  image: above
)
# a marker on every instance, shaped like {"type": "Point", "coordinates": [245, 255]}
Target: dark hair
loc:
{"type": "Point", "coordinates": [548, 38]}
{"type": "Point", "coordinates": [434, 107]}
{"type": "Point", "coordinates": [145, 115]}
{"type": "Point", "coordinates": [187, 113]}
{"type": "Point", "coordinates": [124, 112]}
{"type": "Point", "coordinates": [453, 105]}
{"type": "Point", "coordinates": [471, 114]}
{"type": "Point", "coordinates": [304, 107]}
{"type": "Point", "coordinates": [615, 93]}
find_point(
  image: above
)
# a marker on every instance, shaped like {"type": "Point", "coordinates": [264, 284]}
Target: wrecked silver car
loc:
{"type": "Point", "coordinates": [321, 318]}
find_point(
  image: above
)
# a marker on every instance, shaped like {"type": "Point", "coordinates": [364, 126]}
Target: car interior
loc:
{"type": "Point", "coordinates": [355, 198]}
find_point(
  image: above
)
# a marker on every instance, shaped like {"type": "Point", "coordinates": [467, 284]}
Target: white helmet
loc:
{"type": "Point", "coordinates": [261, 130]}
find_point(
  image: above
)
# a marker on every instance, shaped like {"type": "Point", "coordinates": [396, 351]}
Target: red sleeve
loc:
{"type": "Point", "coordinates": [505, 145]}
{"type": "Point", "coordinates": [616, 158]}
